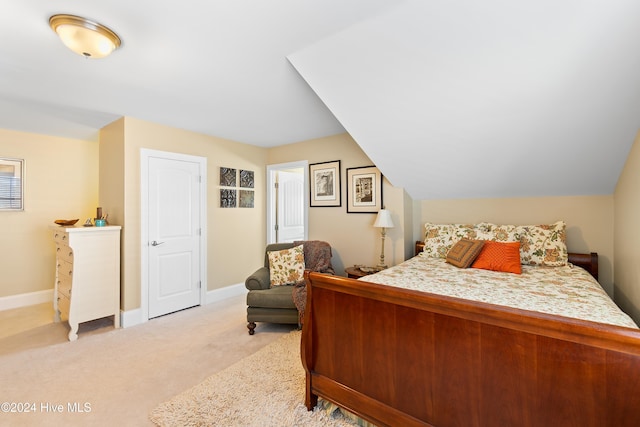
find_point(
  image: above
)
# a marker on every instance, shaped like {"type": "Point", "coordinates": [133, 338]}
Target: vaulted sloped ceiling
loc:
{"type": "Point", "coordinates": [217, 67]}
{"type": "Point", "coordinates": [450, 98]}
{"type": "Point", "coordinates": [474, 99]}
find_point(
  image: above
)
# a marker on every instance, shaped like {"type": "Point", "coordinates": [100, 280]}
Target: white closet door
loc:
{"type": "Point", "coordinates": [174, 235]}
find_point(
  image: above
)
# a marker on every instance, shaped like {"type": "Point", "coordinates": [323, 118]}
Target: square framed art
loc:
{"type": "Point", "coordinates": [246, 179]}
{"type": "Point", "coordinates": [245, 199]}
{"type": "Point", "coordinates": [228, 177]}
{"type": "Point", "coordinates": [227, 198]}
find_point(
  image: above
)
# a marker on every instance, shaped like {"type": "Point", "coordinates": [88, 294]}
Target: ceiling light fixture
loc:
{"type": "Point", "coordinates": [84, 37]}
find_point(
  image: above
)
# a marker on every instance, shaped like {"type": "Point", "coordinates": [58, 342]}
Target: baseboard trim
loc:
{"type": "Point", "coordinates": [131, 318]}
{"type": "Point", "coordinates": [134, 317]}
{"type": "Point", "coordinates": [25, 300]}
{"type": "Point", "coordinates": [226, 292]}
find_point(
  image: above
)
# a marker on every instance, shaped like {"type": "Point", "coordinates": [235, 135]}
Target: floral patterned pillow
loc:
{"type": "Point", "coordinates": [440, 238]}
{"type": "Point", "coordinates": [286, 267]}
{"type": "Point", "coordinates": [543, 244]}
{"type": "Point", "coordinates": [496, 233]}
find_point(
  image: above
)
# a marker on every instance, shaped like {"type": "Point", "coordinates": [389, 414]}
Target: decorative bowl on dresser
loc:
{"type": "Point", "coordinates": [66, 222]}
{"type": "Point", "coordinates": [87, 284]}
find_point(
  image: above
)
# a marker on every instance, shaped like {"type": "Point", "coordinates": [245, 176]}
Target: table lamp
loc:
{"type": "Point", "coordinates": [383, 221]}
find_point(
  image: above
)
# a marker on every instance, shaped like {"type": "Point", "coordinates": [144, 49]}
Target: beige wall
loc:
{"type": "Point", "coordinates": [352, 236]}
{"type": "Point", "coordinates": [627, 235]}
{"type": "Point", "coordinates": [112, 177]}
{"type": "Point", "coordinates": [61, 182]}
{"type": "Point", "coordinates": [234, 235]}
{"type": "Point", "coordinates": [589, 220]}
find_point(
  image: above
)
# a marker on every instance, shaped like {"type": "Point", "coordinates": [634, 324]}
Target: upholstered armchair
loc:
{"type": "Point", "coordinates": [283, 303]}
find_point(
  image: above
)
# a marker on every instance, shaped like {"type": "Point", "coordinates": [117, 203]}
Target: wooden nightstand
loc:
{"type": "Point", "coordinates": [356, 273]}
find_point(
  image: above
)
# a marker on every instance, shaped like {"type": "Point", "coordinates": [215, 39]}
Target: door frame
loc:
{"type": "Point", "coordinates": [271, 202]}
{"type": "Point", "coordinates": [145, 155]}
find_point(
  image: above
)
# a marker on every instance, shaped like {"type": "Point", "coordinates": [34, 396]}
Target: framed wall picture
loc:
{"type": "Point", "coordinates": [246, 179]}
{"type": "Point", "coordinates": [11, 184]}
{"type": "Point", "coordinates": [228, 177]}
{"type": "Point", "coordinates": [227, 198]}
{"type": "Point", "coordinates": [324, 182]}
{"type": "Point", "coordinates": [245, 199]}
{"type": "Point", "coordinates": [364, 190]}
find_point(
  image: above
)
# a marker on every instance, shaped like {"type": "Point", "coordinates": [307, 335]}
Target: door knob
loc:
{"type": "Point", "coordinates": [154, 243]}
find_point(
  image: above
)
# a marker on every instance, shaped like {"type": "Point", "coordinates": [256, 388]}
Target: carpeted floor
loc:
{"type": "Point", "coordinates": [115, 377]}
{"type": "Point", "coordinates": [264, 389]}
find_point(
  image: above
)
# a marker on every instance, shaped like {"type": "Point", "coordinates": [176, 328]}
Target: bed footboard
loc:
{"type": "Point", "coordinates": [400, 357]}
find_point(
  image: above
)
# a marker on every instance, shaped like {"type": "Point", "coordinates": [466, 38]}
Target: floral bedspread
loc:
{"type": "Point", "coordinates": [568, 291]}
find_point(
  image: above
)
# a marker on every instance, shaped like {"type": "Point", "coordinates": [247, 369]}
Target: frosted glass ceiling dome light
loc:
{"type": "Point", "coordinates": [84, 37]}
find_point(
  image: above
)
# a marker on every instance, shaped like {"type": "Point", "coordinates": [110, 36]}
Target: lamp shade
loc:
{"type": "Point", "coordinates": [383, 219]}
{"type": "Point", "coordinates": [84, 37]}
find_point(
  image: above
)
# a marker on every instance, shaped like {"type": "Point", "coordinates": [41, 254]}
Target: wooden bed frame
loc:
{"type": "Point", "coordinates": [398, 357]}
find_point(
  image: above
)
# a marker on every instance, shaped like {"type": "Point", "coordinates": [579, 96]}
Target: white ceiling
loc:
{"type": "Point", "coordinates": [450, 98]}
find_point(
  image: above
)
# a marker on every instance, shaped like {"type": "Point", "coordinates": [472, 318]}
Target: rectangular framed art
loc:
{"type": "Point", "coordinates": [11, 184]}
{"type": "Point", "coordinates": [364, 190]}
{"type": "Point", "coordinates": [324, 182]}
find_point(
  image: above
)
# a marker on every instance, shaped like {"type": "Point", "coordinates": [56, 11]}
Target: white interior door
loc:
{"type": "Point", "coordinates": [290, 211]}
{"type": "Point", "coordinates": [287, 202]}
{"type": "Point", "coordinates": [174, 230]}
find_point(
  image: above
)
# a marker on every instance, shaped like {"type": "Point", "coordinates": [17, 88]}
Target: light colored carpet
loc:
{"type": "Point", "coordinates": [265, 389]}
{"type": "Point", "coordinates": [122, 373]}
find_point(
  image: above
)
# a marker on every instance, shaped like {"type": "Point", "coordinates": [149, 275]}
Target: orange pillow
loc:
{"type": "Point", "coordinates": [499, 256]}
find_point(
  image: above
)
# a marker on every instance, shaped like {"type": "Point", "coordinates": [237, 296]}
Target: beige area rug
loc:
{"type": "Point", "coordinates": [264, 389]}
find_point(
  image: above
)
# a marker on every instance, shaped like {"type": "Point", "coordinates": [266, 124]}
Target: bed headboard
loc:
{"type": "Point", "coordinates": [587, 261]}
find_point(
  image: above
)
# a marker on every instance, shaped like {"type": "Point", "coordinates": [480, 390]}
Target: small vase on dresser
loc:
{"type": "Point", "coordinates": [87, 284]}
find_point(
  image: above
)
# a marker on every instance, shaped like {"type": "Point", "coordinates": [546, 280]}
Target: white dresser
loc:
{"type": "Point", "coordinates": [87, 284]}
